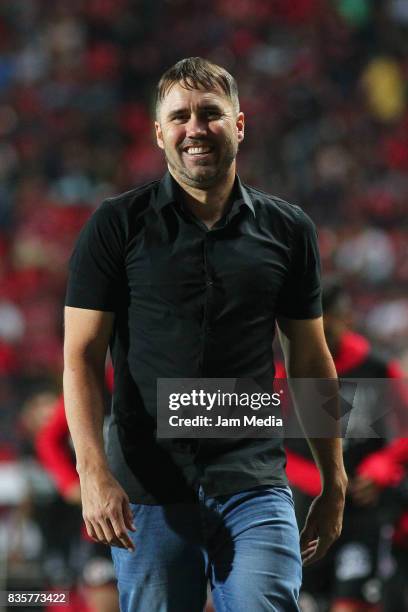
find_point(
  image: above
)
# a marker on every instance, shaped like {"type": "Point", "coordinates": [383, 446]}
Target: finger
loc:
{"type": "Point", "coordinates": [308, 560]}
{"type": "Point", "coordinates": [320, 550]}
{"type": "Point", "coordinates": [128, 516]}
{"type": "Point", "coordinates": [309, 548]}
{"type": "Point", "coordinates": [308, 554]}
{"type": "Point", "coordinates": [109, 533]}
{"type": "Point", "coordinates": [90, 530]}
{"type": "Point", "coordinates": [99, 533]}
{"type": "Point", "coordinates": [308, 535]}
{"type": "Point", "coordinates": [119, 530]}
{"type": "Point", "coordinates": [312, 557]}
{"type": "Point", "coordinates": [310, 544]}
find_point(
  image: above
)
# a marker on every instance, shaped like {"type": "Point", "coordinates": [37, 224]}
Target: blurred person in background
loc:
{"type": "Point", "coordinates": [56, 523]}
{"type": "Point", "coordinates": [92, 561]}
{"type": "Point", "coordinates": [349, 578]}
{"type": "Point", "coordinates": [394, 461]}
{"type": "Point", "coordinates": [25, 495]}
{"type": "Point", "coordinates": [185, 277]}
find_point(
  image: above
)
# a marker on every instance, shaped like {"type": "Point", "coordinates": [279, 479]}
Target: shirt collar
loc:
{"type": "Point", "coordinates": [242, 195]}
{"type": "Point", "coordinates": [166, 194]}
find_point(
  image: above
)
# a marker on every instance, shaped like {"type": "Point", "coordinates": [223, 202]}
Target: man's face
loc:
{"type": "Point", "coordinates": [199, 132]}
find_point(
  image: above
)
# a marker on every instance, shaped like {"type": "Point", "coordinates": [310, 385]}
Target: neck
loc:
{"type": "Point", "coordinates": [209, 205]}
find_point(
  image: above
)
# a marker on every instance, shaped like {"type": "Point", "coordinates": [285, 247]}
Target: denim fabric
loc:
{"type": "Point", "coordinates": [246, 544]}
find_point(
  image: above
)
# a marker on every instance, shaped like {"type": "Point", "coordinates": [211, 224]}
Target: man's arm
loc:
{"type": "Point", "coordinates": [307, 356]}
{"type": "Point", "coordinates": [105, 504]}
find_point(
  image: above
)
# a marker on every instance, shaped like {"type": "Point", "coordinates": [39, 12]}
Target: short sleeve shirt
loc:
{"type": "Point", "coordinates": [190, 302]}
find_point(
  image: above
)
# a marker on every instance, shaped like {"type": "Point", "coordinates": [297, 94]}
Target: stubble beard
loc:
{"type": "Point", "coordinates": [201, 179]}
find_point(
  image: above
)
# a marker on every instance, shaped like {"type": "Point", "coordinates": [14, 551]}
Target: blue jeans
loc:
{"type": "Point", "coordinates": [246, 544]}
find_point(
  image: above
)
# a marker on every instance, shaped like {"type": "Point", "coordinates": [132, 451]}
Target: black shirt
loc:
{"type": "Point", "coordinates": [191, 302]}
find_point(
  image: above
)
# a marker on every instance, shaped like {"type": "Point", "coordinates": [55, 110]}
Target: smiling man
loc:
{"type": "Point", "coordinates": [199, 131]}
{"type": "Point", "coordinates": [185, 278]}
{"type": "Point", "coordinates": [204, 158]}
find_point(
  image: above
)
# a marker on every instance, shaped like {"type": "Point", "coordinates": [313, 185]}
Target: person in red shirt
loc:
{"type": "Point", "coordinates": [384, 475]}
{"type": "Point", "coordinates": [53, 448]}
{"type": "Point", "coordinates": [348, 579]}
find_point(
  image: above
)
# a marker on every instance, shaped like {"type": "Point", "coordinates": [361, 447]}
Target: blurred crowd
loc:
{"type": "Point", "coordinates": [323, 84]}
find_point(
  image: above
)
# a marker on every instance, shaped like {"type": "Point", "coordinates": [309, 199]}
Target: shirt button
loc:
{"type": "Point", "coordinates": [209, 283]}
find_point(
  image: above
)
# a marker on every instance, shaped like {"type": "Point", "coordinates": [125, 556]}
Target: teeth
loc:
{"type": "Point", "coordinates": [197, 150]}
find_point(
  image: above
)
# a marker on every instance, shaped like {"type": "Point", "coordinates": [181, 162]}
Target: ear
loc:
{"type": "Point", "coordinates": [240, 124]}
{"type": "Point", "coordinates": [159, 135]}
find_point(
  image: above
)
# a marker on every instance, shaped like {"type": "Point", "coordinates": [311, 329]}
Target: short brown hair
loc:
{"type": "Point", "coordinates": [198, 73]}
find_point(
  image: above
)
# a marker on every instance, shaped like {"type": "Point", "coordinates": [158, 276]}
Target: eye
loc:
{"type": "Point", "coordinates": [178, 119]}
{"type": "Point", "coordinates": [213, 114]}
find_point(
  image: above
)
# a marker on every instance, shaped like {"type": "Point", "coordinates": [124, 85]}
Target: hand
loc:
{"type": "Point", "coordinates": [364, 491]}
{"type": "Point", "coordinates": [323, 525]}
{"type": "Point", "coordinates": [106, 509]}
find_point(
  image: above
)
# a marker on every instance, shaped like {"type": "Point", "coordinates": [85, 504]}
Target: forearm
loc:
{"type": "Point", "coordinates": [84, 406]}
{"type": "Point", "coordinates": [327, 452]}
{"type": "Point", "coordinates": [105, 504]}
{"type": "Point", "coordinates": [328, 455]}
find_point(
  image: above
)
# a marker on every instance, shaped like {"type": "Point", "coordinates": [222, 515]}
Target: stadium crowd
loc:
{"type": "Point", "coordinates": [323, 84]}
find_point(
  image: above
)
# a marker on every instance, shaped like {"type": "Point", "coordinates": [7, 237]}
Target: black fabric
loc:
{"type": "Point", "coordinates": [191, 302]}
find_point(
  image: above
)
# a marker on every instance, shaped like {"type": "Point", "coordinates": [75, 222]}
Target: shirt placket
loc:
{"type": "Point", "coordinates": [207, 323]}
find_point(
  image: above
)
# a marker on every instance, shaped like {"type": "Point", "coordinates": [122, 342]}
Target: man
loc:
{"type": "Point", "coordinates": [184, 278]}
{"type": "Point", "coordinates": [349, 575]}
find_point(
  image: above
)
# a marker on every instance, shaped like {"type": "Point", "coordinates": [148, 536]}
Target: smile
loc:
{"type": "Point", "coordinates": [197, 150]}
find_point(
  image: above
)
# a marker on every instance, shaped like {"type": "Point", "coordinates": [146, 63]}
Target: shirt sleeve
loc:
{"type": "Point", "coordinates": [96, 267]}
{"type": "Point", "coordinates": [300, 297]}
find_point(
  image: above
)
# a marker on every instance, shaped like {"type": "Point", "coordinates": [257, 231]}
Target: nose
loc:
{"type": "Point", "coordinates": [196, 126]}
